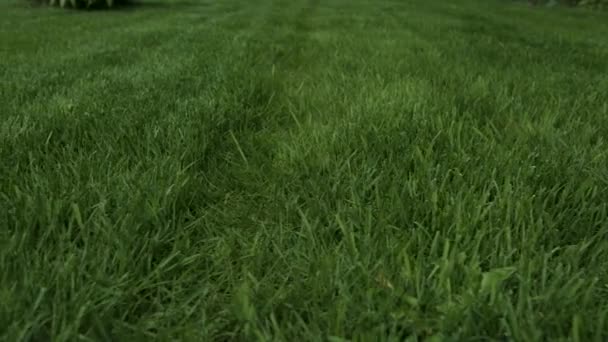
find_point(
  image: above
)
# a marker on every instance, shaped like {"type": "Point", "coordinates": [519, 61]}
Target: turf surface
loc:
{"type": "Point", "coordinates": [301, 170]}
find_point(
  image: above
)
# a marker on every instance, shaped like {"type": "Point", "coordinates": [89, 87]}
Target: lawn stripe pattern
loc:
{"type": "Point", "coordinates": [303, 170]}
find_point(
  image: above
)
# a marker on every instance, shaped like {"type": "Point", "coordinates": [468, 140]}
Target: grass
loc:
{"type": "Point", "coordinates": [304, 170]}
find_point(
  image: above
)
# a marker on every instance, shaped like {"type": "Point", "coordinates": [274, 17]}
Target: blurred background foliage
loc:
{"type": "Point", "coordinates": [82, 4]}
{"type": "Point", "coordinates": [89, 4]}
{"type": "Point", "coordinates": [596, 4]}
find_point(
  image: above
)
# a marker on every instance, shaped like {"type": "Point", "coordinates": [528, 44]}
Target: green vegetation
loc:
{"type": "Point", "coordinates": [300, 170]}
{"type": "Point", "coordinates": [596, 4]}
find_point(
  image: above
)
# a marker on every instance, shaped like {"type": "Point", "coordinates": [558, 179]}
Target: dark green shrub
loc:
{"type": "Point", "coordinates": [602, 4]}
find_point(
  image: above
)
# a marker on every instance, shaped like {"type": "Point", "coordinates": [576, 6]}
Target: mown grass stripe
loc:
{"type": "Point", "coordinates": [301, 170]}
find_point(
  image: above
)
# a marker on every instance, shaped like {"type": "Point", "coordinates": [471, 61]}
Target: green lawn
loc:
{"type": "Point", "coordinates": [304, 170]}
